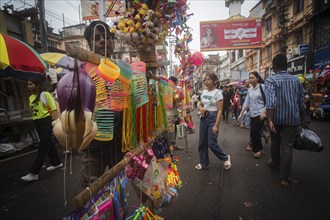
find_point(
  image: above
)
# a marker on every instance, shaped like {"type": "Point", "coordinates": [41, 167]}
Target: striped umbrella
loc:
{"type": "Point", "coordinates": [19, 59]}
{"type": "Point", "coordinates": [58, 60]}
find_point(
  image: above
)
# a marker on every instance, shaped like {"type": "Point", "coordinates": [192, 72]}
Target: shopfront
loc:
{"type": "Point", "coordinates": [16, 126]}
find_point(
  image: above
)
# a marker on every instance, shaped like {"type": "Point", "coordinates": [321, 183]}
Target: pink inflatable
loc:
{"type": "Point", "coordinates": [197, 59]}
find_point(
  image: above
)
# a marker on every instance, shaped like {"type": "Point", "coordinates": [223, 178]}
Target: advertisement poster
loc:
{"type": "Point", "coordinates": [230, 34]}
{"type": "Point", "coordinates": [89, 9]}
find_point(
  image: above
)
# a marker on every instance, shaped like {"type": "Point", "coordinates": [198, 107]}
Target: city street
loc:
{"type": "Point", "coordinates": [105, 75]}
{"type": "Point", "coordinates": [249, 190]}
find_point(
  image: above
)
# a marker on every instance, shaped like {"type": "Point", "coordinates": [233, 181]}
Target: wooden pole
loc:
{"type": "Point", "coordinates": [84, 55]}
{"type": "Point", "coordinates": [186, 139]}
{"type": "Point", "coordinates": [81, 199]}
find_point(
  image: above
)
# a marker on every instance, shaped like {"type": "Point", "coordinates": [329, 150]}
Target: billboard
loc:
{"type": "Point", "coordinates": [230, 34]}
{"type": "Point", "coordinates": [89, 8]}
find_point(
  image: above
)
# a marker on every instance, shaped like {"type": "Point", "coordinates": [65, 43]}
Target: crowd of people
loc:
{"type": "Point", "coordinates": [274, 108]}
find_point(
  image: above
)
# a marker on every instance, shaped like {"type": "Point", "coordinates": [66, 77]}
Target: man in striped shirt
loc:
{"type": "Point", "coordinates": [285, 105]}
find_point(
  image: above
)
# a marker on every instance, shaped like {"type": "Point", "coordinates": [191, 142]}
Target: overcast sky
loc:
{"type": "Point", "coordinates": [204, 10]}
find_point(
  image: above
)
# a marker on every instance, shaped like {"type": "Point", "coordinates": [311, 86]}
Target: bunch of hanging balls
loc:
{"type": "Point", "coordinates": [141, 27]}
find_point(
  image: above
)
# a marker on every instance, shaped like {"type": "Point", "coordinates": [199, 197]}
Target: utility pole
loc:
{"type": "Point", "coordinates": [102, 10]}
{"type": "Point", "coordinates": [258, 60]}
{"type": "Point", "coordinates": [63, 19]}
{"type": "Point", "coordinates": [284, 23]}
{"type": "Point", "coordinates": [43, 30]}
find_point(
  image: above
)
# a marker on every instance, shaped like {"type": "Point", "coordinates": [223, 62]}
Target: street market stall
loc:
{"type": "Point", "coordinates": [143, 99]}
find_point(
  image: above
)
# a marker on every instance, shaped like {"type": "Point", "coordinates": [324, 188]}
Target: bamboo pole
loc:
{"type": "Point", "coordinates": [82, 198]}
{"type": "Point", "coordinates": [83, 55]}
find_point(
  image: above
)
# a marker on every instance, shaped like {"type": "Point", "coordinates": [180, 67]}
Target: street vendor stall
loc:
{"type": "Point", "coordinates": [87, 109]}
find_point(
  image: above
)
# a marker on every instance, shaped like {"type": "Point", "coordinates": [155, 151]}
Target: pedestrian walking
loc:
{"type": "Point", "coordinates": [255, 101]}
{"type": "Point", "coordinates": [43, 109]}
{"type": "Point", "coordinates": [285, 105]}
{"type": "Point", "coordinates": [195, 98]}
{"type": "Point", "coordinates": [210, 106]}
{"type": "Point", "coordinates": [226, 103]}
{"type": "Point", "coordinates": [231, 93]}
{"type": "Point", "coordinates": [236, 103]}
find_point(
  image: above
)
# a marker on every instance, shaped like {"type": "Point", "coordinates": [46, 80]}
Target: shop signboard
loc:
{"type": "Point", "coordinates": [231, 34]}
{"type": "Point", "coordinates": [321, 56]}
{"type": "Point", "coordinates": [303, 49]}
{"type": "Point", "coordinates": [90, 9]}
{"type": "Point", "coordinates": [296, 65]}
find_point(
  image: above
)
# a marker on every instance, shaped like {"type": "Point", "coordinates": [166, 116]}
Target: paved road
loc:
{"type": "Point", "coordinates": [249, 190]}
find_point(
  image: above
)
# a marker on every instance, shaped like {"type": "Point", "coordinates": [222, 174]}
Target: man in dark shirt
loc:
{"type": "Point", "coordinates": [226, 103]}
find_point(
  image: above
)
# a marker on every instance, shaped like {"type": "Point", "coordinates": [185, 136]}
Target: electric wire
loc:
{"type": "Point", "coordinates": [71, 5]}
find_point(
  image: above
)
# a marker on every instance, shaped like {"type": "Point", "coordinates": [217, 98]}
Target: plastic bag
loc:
{"type": "Point", "coordinates": [154, 182]}
{"type": "Point", "coordinates": [7, 149]}
{"type": "Point", "coordinates": [308, 140]}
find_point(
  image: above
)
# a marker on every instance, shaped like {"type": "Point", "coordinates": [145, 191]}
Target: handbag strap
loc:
{"type": "Point", "coordinates": [262, 94]}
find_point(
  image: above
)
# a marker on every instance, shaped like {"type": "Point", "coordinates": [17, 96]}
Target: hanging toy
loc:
{"type": "Point", "coordinates": [181, 128]}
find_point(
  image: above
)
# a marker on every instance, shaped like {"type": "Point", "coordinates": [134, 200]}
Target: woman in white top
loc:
{"type": "Point", "coordinates": [210, 106]}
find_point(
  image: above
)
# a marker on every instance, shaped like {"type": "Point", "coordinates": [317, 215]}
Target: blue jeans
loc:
{"type": "Point", "coordinates": [236, 112]}
{"type": "Point", "coordinates": [209, 140]}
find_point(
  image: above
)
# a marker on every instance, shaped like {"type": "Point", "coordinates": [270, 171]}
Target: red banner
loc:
{"type": "Point", "coordinates": [230, 34]}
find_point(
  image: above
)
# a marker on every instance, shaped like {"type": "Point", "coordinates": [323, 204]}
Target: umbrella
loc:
{"type": "Point", "coordinates": [59, 60]}
{"type": "Point", "coordinates": [60, 71]}
{"type": "Point", "coordinates": [234, 83]}
{"type": "Point", "coordinates": [19, 59]}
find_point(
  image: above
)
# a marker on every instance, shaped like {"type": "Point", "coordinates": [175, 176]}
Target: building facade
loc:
{"type": "Point", "coordinates": [75, 35]}
{"type": "Point", "coordinates": [286, 27]}
{"type": "Point", "coordinates": [321, 38]}
{"type": "Point", "coordinates": [253, 56]}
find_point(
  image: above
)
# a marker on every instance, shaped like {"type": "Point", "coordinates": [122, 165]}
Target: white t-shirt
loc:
{"type": "Point", "coordinates": [206, 98]}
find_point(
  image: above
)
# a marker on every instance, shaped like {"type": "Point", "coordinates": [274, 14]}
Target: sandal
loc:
{"type": "Point", "coordinates": [257, 155]}
{"type": "Point", "coordinates": [271, 164]}
{"type": "Point", "coordinates": [248, 148]}
{"type": "Point", "coordinates": [227, 163]}
{"type": "Point", "coordinates": [179, 148]}
{"type": "Point", "coordinates": [199, 167]}
{"type": "Point", "coordinates": [285, 183]}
